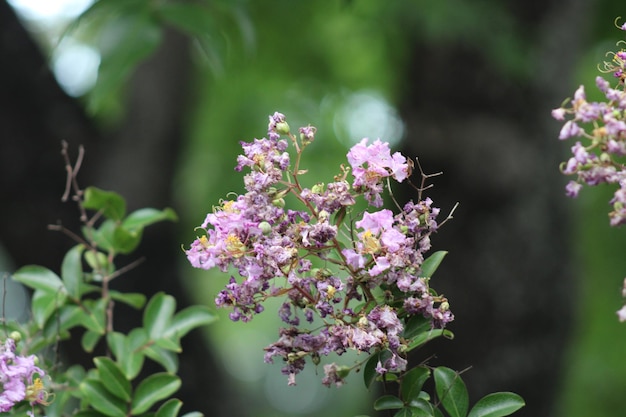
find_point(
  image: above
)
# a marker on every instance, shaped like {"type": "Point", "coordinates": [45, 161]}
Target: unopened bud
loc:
{"type": "Point", "coordinates": [282, 128]}
{"type": "Point", "coordinates": [605, 157]}
{"type": "Point", "coordinates": [445, 306]}
{"type": "Point", "coordinates": [318, 188]}
{"type": "Point", "coordinates": [343, 371]}
{"type": "Point", "coordinates": [265, 227]}
{"type": "Point", "coordinates": [15, 335]}
{"type": "Point", "coordinates": [279, 202]}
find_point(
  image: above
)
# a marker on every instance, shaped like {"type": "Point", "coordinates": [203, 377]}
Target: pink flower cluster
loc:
{"type": "Point", "coordinates": [17, 376]}
{"type": "Point", "coordinates": [326, 259]}
{"type": "Point", "coordinates": [598, 155]}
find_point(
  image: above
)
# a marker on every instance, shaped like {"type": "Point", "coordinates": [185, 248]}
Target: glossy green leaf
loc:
{"type": "Point", "coordinates": [421, 408]}
{"type": "Point", "coordinates": [152, 389]}
{"type": "Point", "coordinates": [170, 408]}
{"type": "Point", "coordinates": [412, 383]}
{"type": "Point", "coordinates": [425, 337]}
{"type": "Point", "coordinates": [125, 241]}
{"type": "Point", "coordinates": [89, 340]}
{"type": "Point", "coordinates": [101, 399]}
{"type": "Point", "coordinates": [111, 204]}
{"type": "Point", "coordinates": [69, 316]}
{"type": "Point", "coordinates": [451, 391]}
{"type": "Point", "coordinates": [171, 344]}
{"type": "Point", "coordinates": [388, 402]}
{"type": "Point", "coordinates": [95, 317]}
{"type": "Point", "coordinates": [96, 260]}
{"type": "Point", "coordinates": [72, 271]}
{"type": "Point", "coordinates": [405, 412]}
{"type": "Point", "coordinates": [498, 404]}
{"type": "Point", "coordinates": [39, 278]}
{"type": "Point", "coordinates": [430, 264]}
{"type": "Point", "coordinates": [166, 357]}
{"type": "Point", "coordinates": [128, 350]}
{"type": "Point", "coordinates": [103, 235]}
{"type": "Point", "coordinates": [417, 325]}
{"type": "Point", "coordinates": [158, 315]}
{"type": "Point", "coordinates": [134, 299]}
{"type": "Point", "coordinates": [139, 219]}
{"type": "Point", "coordinates": [44, 304]}
{"type": "Point", "coordinates": [188, 319]}
{"type": "Point", "coordinates": [113, 378]}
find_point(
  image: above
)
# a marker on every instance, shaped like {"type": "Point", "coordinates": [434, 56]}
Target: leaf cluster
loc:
{"type": "Point", "coordinates": [81, 300]}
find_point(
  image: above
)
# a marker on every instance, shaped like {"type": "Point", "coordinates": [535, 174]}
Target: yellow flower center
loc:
{"type": "Point", "coordinates": [234, 246]}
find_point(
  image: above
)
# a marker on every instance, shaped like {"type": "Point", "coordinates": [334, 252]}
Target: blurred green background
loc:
{"type": "Point", "coordinates": [184, 81]}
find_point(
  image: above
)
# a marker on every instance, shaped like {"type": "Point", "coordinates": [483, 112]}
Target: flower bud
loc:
{"type": "Point", "coordinates": [265, 227]}
{"type": "Point", "coordinates": [282, 128]}
{"type": "Point", "coordinates": [279, 202]}
{"type": "Point", "coordinates": [318, 188]}
{"type": "Point", "coordinates": [15, 335]}
{"type": "Point", "coordinates": [445, 306]}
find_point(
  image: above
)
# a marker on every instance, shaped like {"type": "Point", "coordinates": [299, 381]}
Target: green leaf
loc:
{"type": "Point", "coordinates": [111, 204]}
{"type": "Point", "coordinates": [170, 408]}
{"type": "Point", "coordinates": [138, 220]}
{"type": "Point", "coordinates": [388, 402]}
{"type": "Point", "coordinates": [425, 337]}
{"type": "Point", "coordinates": [188, 319]}
{"type": "Point", "coordinates": [89, 340]}
{"type": "Point", "coordinates": [498, 404]}
{"type": "Point", "coordinates": [417, 325]}
{"type": "Point", "coordinates": [134, 299]}
{"type": "Point", "coordinates": [72, 271]}
{"type": "Point", "coordinates": [451, 391]}
{"type": "Point", "coordinates": [44, 304]}
{"type": "Point", "coordinates": [421, 408]}
{"type": "Point", "coordinates": [193, 414]}
{"type": "Point", "coordinates": [113, 378]}
{"type": "Point", "coordinates": [103, 235]}
{"type": "Point", "coordinates": [369, 372]}
{"type": "Point", "coordinates": [102, 400]}
{"type": "Point", "coordinates": [430, 264]}
{"type": "Point", "coordinates": [405, 412]}
{"type": "Point", "coordinates": [128, 350]}
{"type": "Point", "coordinates": [165, 357]}
{"type": "Point", "coordinates": [39, 278]}
{"type": "Point", "coordinates": [170, 344]}
{"type": "Point", "coordinates": [412, 383]}
{"type": "Point", "coordinates": [158, 314]}
{"type": "Point", "coordinates": [95, 316]}
{"type": "Point", "coordinates": [152, 389]}
{"type": "Point", "coordinates": [88, 413]}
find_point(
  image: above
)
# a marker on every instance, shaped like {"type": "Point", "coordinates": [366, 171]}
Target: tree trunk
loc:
{"type": "Point", "coordinates": [136, 161]}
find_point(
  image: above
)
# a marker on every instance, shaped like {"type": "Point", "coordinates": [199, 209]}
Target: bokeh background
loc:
{"type": "Point", "coordinates": [160, 92]}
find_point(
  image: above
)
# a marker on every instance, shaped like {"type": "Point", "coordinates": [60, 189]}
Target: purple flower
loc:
{"type": "Point", "coordinates": [17, 375]}
{"type": "Point", "coordinates": [371, 164]}
{"type": "Point", "coordinates": [572, 189]}
{"type": "Point", "coordinates": [570, 129]}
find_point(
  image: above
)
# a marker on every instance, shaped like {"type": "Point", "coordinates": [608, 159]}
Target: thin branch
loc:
{"type": "Point", "coordinates": [449, 215]}
{"type": "Point", "coordinates": [126, 268]}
